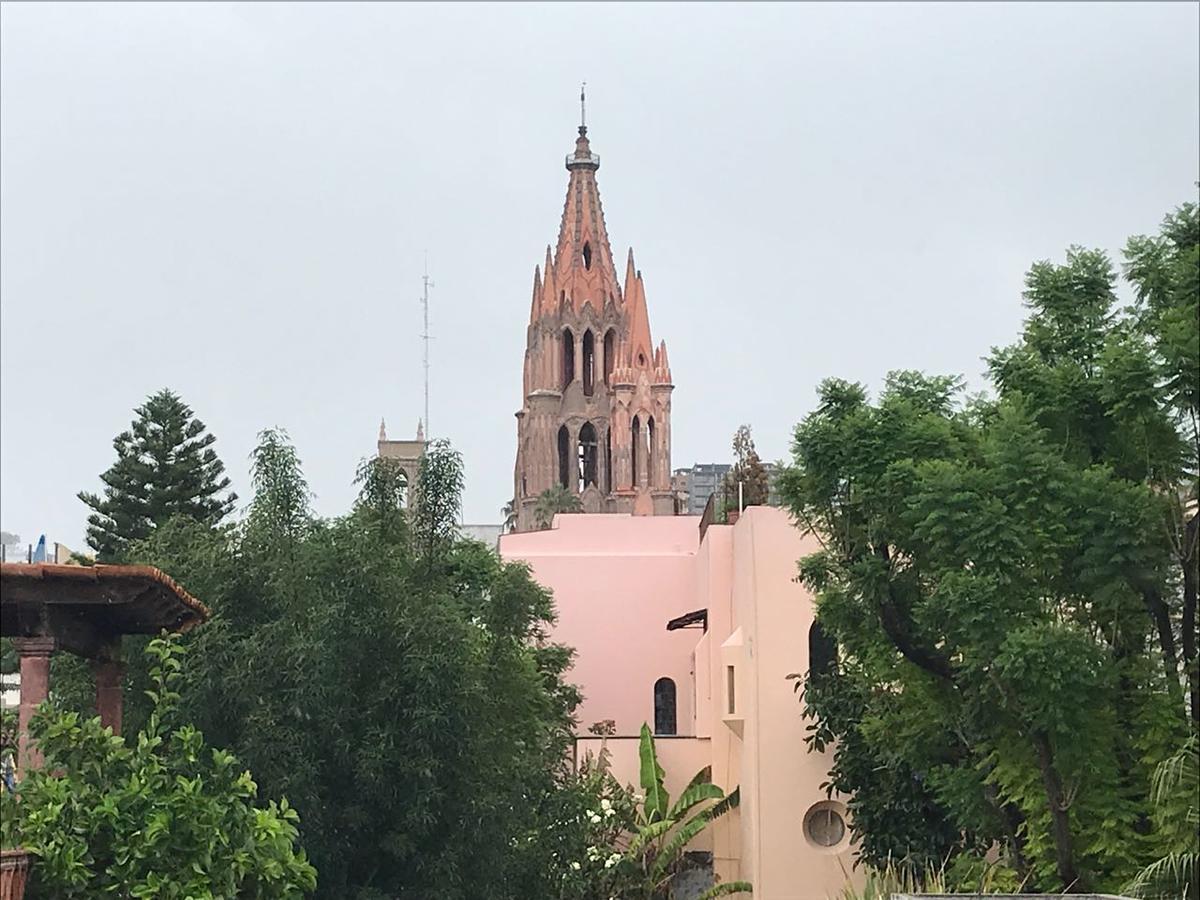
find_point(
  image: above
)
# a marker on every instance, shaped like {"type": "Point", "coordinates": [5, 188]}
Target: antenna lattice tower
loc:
{"type": "Point", "coordinates": [425, 336]}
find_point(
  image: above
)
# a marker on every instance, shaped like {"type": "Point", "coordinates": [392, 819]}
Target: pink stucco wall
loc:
{"type": "Point", "coordinates": [617, 580]}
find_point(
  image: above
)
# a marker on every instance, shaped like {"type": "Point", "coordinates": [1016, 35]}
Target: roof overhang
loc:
{"type": "Point", "coordinates": [87, 608]}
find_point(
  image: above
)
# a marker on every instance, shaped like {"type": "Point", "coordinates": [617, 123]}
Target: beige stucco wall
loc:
{"type": "Point", "coordinates": [780, 779]}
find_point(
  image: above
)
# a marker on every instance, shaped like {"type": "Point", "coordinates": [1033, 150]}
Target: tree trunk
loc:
{"type": "Point", "coordinates": [899, 629]}
{"type": "Point", "coordinates": [1060, 821]}
{"type": "Point", "coordinates": [1161, 616]}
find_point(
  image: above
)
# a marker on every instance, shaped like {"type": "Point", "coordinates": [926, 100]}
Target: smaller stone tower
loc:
{"type": "Point", "coordinates": [407, 453]}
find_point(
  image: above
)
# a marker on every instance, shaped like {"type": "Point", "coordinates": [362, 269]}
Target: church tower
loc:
{"type": "Point", "coordinates": [596, 416]}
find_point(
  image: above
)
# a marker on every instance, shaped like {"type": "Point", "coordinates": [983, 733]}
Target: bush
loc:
{"type": "Point", "coordinates": [163, 816]}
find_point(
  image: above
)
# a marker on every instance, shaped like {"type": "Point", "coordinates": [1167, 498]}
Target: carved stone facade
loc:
{"type": "Point", "coordinates": [596, 416]}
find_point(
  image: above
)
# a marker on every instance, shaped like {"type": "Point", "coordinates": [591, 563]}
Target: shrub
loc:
{"type": "Point", "coordinates": [164, 816]}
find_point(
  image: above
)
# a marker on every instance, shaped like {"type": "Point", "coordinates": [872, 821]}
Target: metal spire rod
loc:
{"type": "Point", "coordinates": [583, 106]}
{"type": "Point", "coordinates": [425, 339]}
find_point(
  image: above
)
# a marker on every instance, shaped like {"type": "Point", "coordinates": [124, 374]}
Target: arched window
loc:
{"type": "Point", "coordinates": [610, 352]}
{"type": "Point", "coordinates": [587, 255]}
{"type": "Point", "coordinates": [589, 363]}
{"type": "Point", "coordinates": [587, 450]}
{"type": "Point", "coordinates": [664, 706]}
{"type": "Point", "coordinates": [822, 652]}
{"type": "Point", "coordinates": [608, 479]}
{"type": "Point", "coordinates": [564, 457]}
{"type": "Point", "coordinates": [633, 448]}
{"type": "Point", "coordinates": [568, 357]}
{"type": "Point", "coordinates": [650, 451]}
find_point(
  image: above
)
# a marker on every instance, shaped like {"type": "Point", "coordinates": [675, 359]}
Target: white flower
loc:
{"type": "Point", "coordinates": [606, 804]}
{"type": "Point", "coordinates": [610, 812]}
{"type": "Point", "coordinates": [575, 866]}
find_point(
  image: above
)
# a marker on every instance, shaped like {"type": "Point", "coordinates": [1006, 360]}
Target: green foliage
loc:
{"type": "Point", "coordinates": [552, 501]}
{"type": "Point", "coordinates": [968, 874]}
{"type": "Point", "coordinates": [438, 500]}
{"type": "Point", "coordinates": [161, 816]}
{"type": "Point", "coordinates": [747, 469]}
{"type": "Point", "coordinates": [635, 843]}
{"type": "Point", "coordinates": [1176, 798]}
{"type": "Point", "coordinates": [1011, 582]}
{"type": "Point", "coordinates": [394, 682]}
{"type": "Point", "coordinates": [165, 467]}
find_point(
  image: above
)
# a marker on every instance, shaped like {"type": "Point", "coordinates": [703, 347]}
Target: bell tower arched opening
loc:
{"type": "Point", "coordinates": [589, 363]}
{"type": "Point", "coordinates": [564, 457]}
{"type": "Point", "coordinates": [568, 357]}
{"type": "Point", "coordinates": [610, 352]}
{"type": "Point", "coordinates": [588, 450]}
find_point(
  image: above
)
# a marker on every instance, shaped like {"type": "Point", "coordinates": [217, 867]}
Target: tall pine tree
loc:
{"type": "Point", "coordinates": [165, 467]}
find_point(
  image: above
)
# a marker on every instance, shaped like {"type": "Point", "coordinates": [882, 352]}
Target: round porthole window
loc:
{"type": "Point", "coordinates": [825, 824]}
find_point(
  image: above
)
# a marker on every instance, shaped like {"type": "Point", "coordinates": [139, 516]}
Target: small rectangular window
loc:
{"type": "Point", "coordinates": [729, 689]}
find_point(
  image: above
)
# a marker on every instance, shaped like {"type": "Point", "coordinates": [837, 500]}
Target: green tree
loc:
{"type": "Point", "coordinates": [1013, 616]}
{"type": "Point", "coordinates": [552, 501]}
{"type": "Point", "coordinates": [984, 594]}
{"type": "Point", "coordinates": [748, 470]}
{"type": "Point", "coordinates": [163, 815]}
{"type": "Point", "coordinates": [632, 845]}
{"type": "Point", "coordinates": [1176, 790]}
{"type": "Point", "coordinates": [165, 467]}
{"type": "Point", "coordinates": [1165, 273]}
{"type": "Point", "coordinates": [396, 683]}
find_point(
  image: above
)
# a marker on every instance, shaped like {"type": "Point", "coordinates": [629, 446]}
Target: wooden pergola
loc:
{"type": "Point", "coordinates": [84, 610]}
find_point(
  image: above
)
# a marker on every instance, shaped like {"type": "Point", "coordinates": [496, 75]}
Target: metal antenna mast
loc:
{"type": "Point", "coordinates": [425, 338]}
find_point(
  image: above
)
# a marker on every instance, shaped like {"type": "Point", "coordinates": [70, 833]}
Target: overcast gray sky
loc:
{"type": "Point", "coordinates": [234, 200]}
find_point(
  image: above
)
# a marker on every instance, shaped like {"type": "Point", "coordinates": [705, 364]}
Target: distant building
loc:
{"type": "Point", "coordinates": [485, 534]}
{"type": "Point", "coordinates": [407, 453]}
{"type": "Point", "coordinates": [699, 483]}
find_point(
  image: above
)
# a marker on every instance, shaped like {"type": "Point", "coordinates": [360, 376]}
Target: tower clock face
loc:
{"type": "Point", "coordinates": [825, 826]}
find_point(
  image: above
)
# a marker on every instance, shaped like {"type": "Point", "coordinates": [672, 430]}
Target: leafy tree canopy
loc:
{"type": "Point", "coordinates": [552, 501]}
{"type": "Point", "coordinates": [162, 815]}
{"type": "Point", "coordinates": [1012, 580]}
{"type": "Point", "coordinates": [748, 470]}
{"type": "Point", "coordinates": [394, 682]}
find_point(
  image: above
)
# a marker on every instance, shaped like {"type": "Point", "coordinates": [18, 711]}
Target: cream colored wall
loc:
{"type": "Point", "coordinates": [714, 591]}
{"type": "Point", "coordinates": [780, 779]}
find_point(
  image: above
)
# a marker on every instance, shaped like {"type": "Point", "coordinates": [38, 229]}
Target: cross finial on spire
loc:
{"type": "Point", "coordinates": [583, 108]}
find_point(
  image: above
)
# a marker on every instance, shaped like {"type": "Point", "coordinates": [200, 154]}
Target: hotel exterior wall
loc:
{"type": "Point", "coordinates": [617, 580]}
{"type": "Point", "coordinates": [780, 779]}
